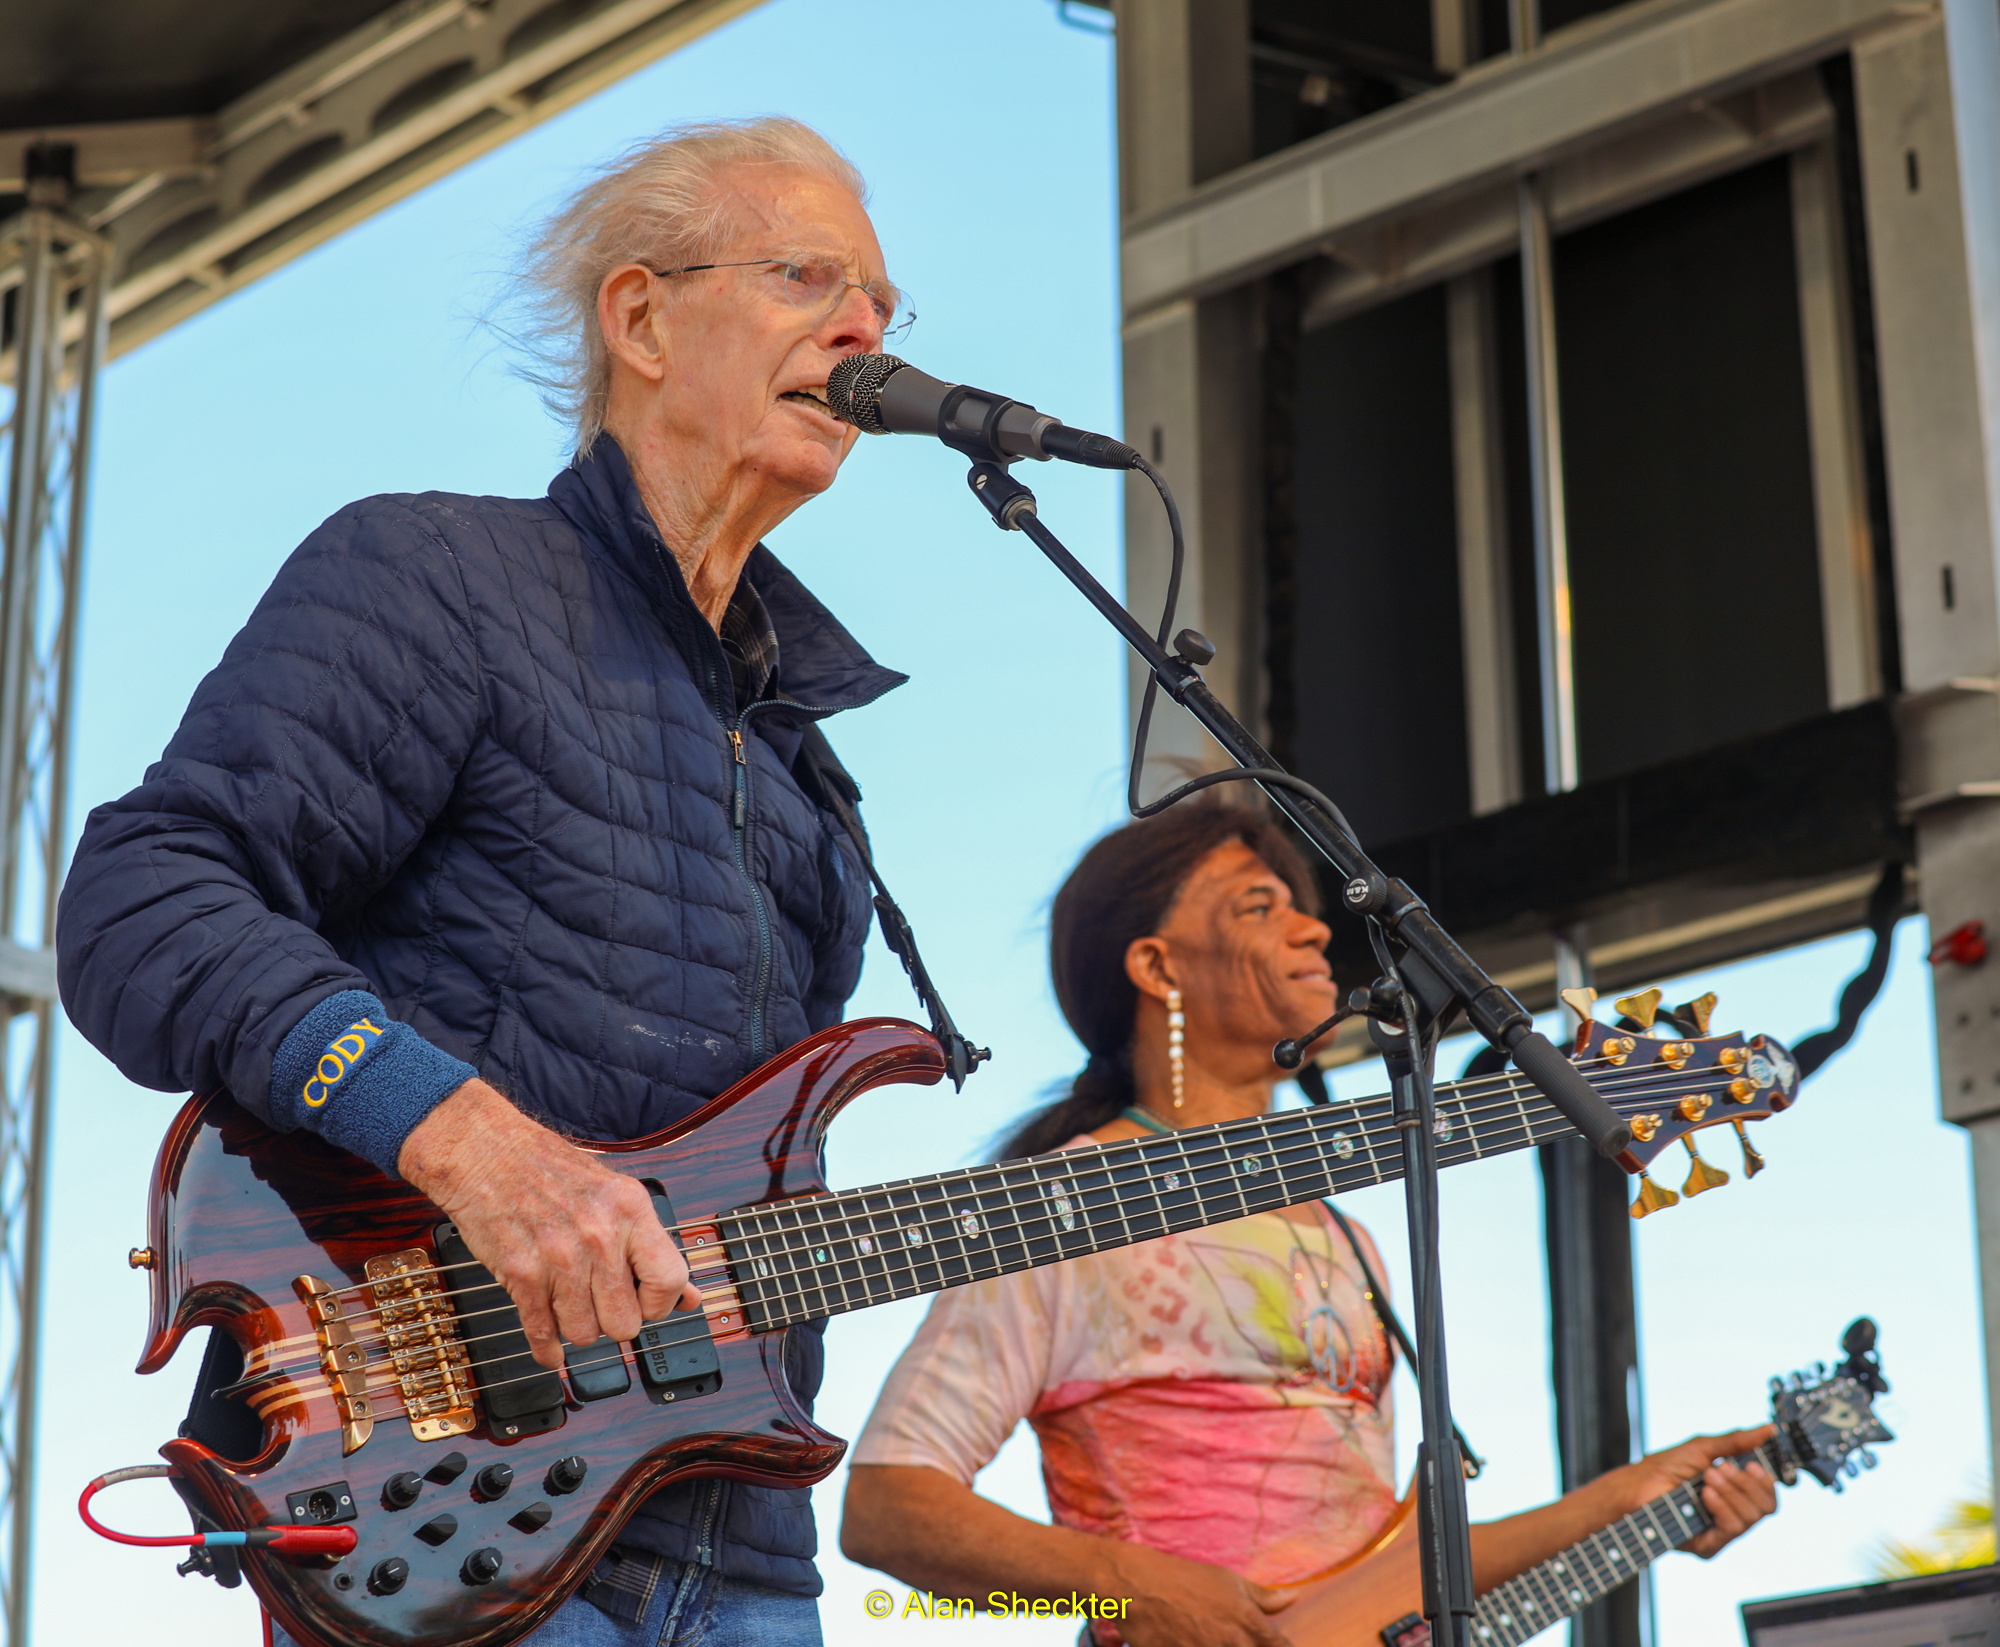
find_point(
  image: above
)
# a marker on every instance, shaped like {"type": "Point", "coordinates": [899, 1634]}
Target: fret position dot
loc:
{"type": "Point", "coordinates": [1343, 1146]}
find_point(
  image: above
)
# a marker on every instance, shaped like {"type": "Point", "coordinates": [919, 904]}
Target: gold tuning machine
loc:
{"type": "Point", "coordinates": [1583, 1002]}
{"type": "Point", "coordinates": [1651, 1197]}
{"type": "Point", "coordinates": [1698, 1011]}
{"type": "Point", "coordinates": [1753, 1163]}
{"type": "Point", "coordinates": [1701, 1176]}
{"type": "Point", "coordinates": [1642, 1008]}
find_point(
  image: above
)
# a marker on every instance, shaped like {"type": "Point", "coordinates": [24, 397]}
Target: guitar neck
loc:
{"type": "Point", "coordinates": [1593, 1567]}
{"type": "Point", "coordinates": [805, 1259]}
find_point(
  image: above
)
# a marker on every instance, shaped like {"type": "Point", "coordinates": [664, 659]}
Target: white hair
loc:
{"type": "Point", "coordinates": [661, 203]}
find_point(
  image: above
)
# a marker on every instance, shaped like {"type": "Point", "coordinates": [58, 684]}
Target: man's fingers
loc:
{"type": "Point", "coordinates": [662, 1273]}
{"type": "Point", "coordinates": [544, 1343]}
{"type": "Point", "coordinates": [576, 1307]}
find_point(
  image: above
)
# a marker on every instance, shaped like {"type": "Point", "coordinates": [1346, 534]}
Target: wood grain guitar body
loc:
{"type": "Point", "coordinates": [239, 1212]}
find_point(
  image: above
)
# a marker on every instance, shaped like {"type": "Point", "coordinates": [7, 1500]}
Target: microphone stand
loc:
{"type": "Point", "coordinates": [1433, 977]}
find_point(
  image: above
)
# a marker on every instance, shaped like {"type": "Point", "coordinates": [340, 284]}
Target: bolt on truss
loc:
{"type": "Point", "coordinates": [52, 338]}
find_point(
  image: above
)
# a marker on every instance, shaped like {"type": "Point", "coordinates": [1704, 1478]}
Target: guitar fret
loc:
{"type": "Point", "coordinates": [1505, 1612]}
{"type": "Point", "coordinates": [1497, 1617]}
{"type": "Point", "coordinates": [821, 1255]}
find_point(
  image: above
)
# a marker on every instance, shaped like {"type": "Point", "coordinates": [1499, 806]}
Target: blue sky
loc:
{"type": "Point", "coordinates": [365, 368]}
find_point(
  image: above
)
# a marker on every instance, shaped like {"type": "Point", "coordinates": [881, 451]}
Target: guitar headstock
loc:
{"type": "Point", "coordinates": [1665, 1073]}
{"type": "Point", "coordinates": [1826, 1420]}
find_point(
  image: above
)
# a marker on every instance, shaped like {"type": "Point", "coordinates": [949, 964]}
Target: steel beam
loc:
{"type": "Point", "coordinates": [1583, 87]}
{"type": "Point", "coordinates": [200, 208]}
{"type": "Point", "coordinates": [58, 268]}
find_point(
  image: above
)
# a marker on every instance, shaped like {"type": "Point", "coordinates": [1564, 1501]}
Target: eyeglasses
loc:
{"type": "Point", "coordinates": [818, 286]}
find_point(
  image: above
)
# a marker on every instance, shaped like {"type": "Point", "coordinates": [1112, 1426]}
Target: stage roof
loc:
{"type": "Point", "coordinates": [216, 141]}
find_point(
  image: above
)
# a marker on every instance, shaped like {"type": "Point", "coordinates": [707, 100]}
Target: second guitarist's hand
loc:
{"type": "Point", "coordinates": [1735, 1496]}
{"type": "Point", "coordinates": [577, 1246]}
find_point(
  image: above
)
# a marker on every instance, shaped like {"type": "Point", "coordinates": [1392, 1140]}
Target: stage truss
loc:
{"type": "Point", "coordinates": [52, 339]}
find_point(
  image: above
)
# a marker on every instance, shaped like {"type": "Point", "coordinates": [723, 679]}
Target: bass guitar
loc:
{"type": "Point", "coordinates": [1826, 1426]}
{"type": "Point", "coordinates": [369, 1375]}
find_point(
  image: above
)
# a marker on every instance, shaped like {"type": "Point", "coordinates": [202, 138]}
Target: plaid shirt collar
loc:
{"type": "Point", "coordinates": [750, 643]}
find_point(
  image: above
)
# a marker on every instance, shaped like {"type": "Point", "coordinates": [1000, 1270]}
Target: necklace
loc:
{"type": "Point", "coordinates": [1146, 1119]}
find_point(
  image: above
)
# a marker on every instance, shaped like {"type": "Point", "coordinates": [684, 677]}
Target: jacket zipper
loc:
{"type": "Point", "coordinates": [740, 844]}
{"type": "Point", "coordinates": [740, 841]}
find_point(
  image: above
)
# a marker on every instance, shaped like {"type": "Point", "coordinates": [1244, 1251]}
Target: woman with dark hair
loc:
{"type": "Point", "coordinates": [1213, 1408]}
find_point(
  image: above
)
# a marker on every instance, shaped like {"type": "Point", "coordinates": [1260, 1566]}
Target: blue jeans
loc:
{"type": "Point", "coordinates": [699, 1608]}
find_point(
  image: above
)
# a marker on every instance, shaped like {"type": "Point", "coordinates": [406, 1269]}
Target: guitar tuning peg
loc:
{"type": "Point", "coordinates": [1868, 1458]}
{"type": "Point", "coordinates": [1838, 1485]}
{"type": "Point", "coordinates": [1819, 1370]}
{"type": "Point", "coordinates": [1642, 1008]}
{"type": "Point", "coordinates": [1753, 1163]}
{"type": "Point", "coordinates": [1849, 1467]}
{"type": "Point", "coordinates": [1701, 1176]}
{"type": "Point", "coordinates": [1583, 1002]}
{"type": "Point", "coordinates": [1651, 1197]}
{"type": "Point", "coordinates": [1697, 1011]}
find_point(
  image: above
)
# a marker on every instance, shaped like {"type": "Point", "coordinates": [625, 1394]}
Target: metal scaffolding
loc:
{"type": "Point", "coordinates": [52, 340]}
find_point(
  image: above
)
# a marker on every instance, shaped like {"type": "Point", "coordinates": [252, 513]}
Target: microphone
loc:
{"type": "Point", "coordinates": [882, 395]}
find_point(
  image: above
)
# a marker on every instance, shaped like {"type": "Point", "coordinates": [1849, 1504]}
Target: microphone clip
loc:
{"type": "Point", "coordinates": [1381, 1001]}
{"type": "Point", "coordinates": [1005, 498]}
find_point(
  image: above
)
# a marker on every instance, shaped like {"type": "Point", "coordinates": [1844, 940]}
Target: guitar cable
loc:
{"type": "Point", "coordinates": [287, 1541]}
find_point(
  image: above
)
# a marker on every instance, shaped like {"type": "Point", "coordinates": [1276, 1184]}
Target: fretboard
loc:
{"type": "Point", "coordinates": [1565, 1584]}
{"type": "Point", "coordinates": [803, 1259]}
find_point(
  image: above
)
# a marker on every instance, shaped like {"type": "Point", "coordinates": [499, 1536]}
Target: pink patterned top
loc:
{"type": "Point", "coordinates": [1221, 1395]}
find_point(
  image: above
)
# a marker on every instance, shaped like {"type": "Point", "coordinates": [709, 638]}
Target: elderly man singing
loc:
{"type": "Point", "coordinates": [516, 781]}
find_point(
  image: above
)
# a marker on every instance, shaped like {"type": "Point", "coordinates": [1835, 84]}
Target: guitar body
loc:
{"type": "Point", "coordinates": [239, 1212]}
{"type": "Point", "coordinates": [1349, 1606]}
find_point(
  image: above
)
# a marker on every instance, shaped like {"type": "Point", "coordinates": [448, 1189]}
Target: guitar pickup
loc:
{"type": "Point", "coordinates": [521, 1396]}
{"type": "Point", "coordinates": [677, 1360]}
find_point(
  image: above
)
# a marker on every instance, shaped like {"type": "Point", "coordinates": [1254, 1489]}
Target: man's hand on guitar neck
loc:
{"type": "Point", "coordinates": [577, 1246]}
{"type": "Point", "coordinates": [1735, 1496]}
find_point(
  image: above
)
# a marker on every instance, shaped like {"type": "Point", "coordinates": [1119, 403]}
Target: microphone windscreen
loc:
{"type": "Point", "coordinates": [854, 390]}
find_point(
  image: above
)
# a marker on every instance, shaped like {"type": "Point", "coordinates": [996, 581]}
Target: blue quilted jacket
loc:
{"type": "Point", "coordinates": [473, 757]}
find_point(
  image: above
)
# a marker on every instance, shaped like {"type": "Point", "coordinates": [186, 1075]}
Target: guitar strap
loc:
{"type": "Point", "coordinates": [1393, 1326]}
{"type": "Point", "coordinates": [820, 774]}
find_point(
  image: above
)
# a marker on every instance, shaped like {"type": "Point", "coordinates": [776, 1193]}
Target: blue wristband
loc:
{"type": "Point", "coordinates": [359, 1079]}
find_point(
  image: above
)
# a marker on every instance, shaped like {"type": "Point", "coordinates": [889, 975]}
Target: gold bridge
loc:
{"type": "Point", "coordinates": [421, 1340]}
{"type": "Point", "coordinates": [344, 1362]}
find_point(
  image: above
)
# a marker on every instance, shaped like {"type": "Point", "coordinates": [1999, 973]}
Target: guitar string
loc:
{"type": "Point", "coordinates": [821, 1204]}
{"type": "Point", "coordinates": [1515, 1086]}
{"type": "Point", "coordinates": [1601, 1574]}
{"type": "Point", "coordinates": [777, 1292]}
{"type": "Point", "coordinates": [1536, 1134]}
{"type": "Point", "coordinates": [1558, 1130]}
{"type": "Point", "coordinates": [1310, 1145]}
{"type": "Point", "coordinates": [1452, 1092]}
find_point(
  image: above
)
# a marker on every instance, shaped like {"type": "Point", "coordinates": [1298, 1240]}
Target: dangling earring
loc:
{"type": "Point", "coordinates": [1176, 1036]}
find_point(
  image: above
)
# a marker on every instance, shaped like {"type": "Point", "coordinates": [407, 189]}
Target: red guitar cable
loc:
{"type": "Point", "coordinates": [290, 1541]}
